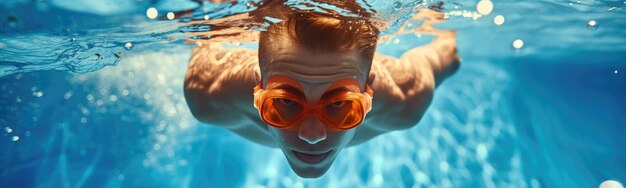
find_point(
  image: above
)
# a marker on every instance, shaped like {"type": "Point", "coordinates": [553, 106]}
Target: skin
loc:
{"type": "Point", "coordinates": [219, 82]}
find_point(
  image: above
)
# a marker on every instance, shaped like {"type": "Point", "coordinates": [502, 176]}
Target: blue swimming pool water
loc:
{"type": "Point", "coordinates": [551, 114]}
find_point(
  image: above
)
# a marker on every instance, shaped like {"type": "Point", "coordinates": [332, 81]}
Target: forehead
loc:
{"type": "Point", "coordinates": [311, 68]}
{"type": "Point", "coordinates": [285, 82]}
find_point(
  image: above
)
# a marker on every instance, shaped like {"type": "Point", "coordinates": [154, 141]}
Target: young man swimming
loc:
{"type": "Point", "coordinates": [318, 86]}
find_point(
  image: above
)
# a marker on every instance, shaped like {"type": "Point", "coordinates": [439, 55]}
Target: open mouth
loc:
{"type": "Point", "coordinates": [311, 158]}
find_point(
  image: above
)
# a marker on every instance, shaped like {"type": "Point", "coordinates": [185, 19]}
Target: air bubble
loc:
{"type": "Point", "coordinates": [15, 138]}
{"type": "Point", "coordinates": [615, 72]}
{"type": "Point", "coordinates": [592, 24]}
{"type": "Point", "coordinates": [8, 129]}
{"type": "Point", "coordinates": [73, 40]}
{"type": "Point", "coordinates": [129, 46]}
{"type": "Point", "coordinates": [611, 184]}
{"type": "Point", "coordinates": [152, 13]}
{"type": "Point", "coordinates": [484, 7]}
{"type": "Point", "coordinates": [498, 20]}
{"type": "Point", "coordinates": [38, 94]}
{"type": "Point", "coordinates": [206, 17]}
{"type": "Point", "coordinates": [251, 4]}
{"type": "Point", "coordinates": [113, 98]}
{"type": "Point", "coordinates": [170, 15]}
{"type": "Point", "coordinates": [517, 44]}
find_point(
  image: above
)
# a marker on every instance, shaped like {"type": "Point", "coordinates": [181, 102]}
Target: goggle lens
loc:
{"type": "Point", "coordinates": [280, 112]}
{"type": "Point", "coordinates": [345, 114]}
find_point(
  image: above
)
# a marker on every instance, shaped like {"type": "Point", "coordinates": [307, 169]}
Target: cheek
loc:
{"type": "Point", "coordinates": [342, 138]}
{"type": "Point", "coordinates": [281, 137]}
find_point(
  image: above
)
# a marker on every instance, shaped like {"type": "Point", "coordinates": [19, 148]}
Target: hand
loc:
{"type": "Point", "coordinates": [429, 17]}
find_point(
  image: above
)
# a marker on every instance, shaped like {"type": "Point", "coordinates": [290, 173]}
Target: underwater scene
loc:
{"type": "Point", "coordinates": [94, 94]}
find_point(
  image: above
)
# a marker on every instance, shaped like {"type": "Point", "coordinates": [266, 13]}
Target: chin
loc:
{"type": "Point", "coordinates": [309, 172]}
{"type": "Point", "coordinates": [306, 168]}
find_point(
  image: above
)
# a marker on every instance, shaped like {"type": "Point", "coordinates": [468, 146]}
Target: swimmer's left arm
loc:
{"type": "Point", "coordinates": [402, 92]}
{"type": "Point", "coordinates": [403, 87]}
{"type": "Point", "coordinates": [441, 55]}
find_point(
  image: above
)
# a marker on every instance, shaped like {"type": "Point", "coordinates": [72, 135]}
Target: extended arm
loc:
{"type": "Point", "coordinates": [403, 87]}
{"type": "Point", "coordinates": [441, 54]}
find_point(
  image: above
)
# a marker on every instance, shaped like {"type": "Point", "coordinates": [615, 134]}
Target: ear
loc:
{"type": "Point", "coordinates": [370, 79]}
{"type": "Point", "coordinates": [257, 76]}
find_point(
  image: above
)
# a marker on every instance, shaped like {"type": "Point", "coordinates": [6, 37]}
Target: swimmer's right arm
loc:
{"type": "Point", "coordinates": [217, 85]}
{"type": "Point", "coordinates": [218, 90]}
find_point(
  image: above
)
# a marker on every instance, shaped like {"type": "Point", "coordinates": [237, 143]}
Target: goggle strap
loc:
{"type": "Point", "coordinates": [369, 90]}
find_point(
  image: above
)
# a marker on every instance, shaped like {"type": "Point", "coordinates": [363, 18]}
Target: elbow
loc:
{"type": "Point", "coordinates": [454, 65]}
{"type": "Point", "coordinates": [208, 108]}
{"type": "Point", "coordinates": [197, 102]}
{"type": "Point", "coordinates": [198, 111]}
{"type": "Point", "coordinates": [415, 107]}
{"type": "Point", "coordinates": [449, 68]}
{"type": "Point", "coordinates": [408, 118]}
{"type": "Point", "coordinates": [204, 114]}
{"type": "Point", "coordinates": [406, 123]}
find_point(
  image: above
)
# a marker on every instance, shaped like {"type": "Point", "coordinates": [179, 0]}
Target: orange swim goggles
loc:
{"type": "Point", "coordinates": [285, 106]}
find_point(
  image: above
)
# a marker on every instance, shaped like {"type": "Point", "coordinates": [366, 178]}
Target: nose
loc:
{"type": "Point", "coordinates": [312, 130]}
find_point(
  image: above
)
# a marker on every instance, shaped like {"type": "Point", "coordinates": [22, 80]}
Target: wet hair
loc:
{"type": "Point", "coordinates": [323, 32]}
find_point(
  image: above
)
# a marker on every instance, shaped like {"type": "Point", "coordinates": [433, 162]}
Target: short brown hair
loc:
{"type": "Point", "coordinates": [325, 32]}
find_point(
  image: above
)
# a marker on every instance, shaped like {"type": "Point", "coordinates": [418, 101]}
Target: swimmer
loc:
{"type": "Point", "coordinates": [316, 85]}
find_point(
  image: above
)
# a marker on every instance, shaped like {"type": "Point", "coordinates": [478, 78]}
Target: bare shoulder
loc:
{"type": "Point", "coordinates": [218, 90]}
{"type": "Point", "coordinates": [208, 62]}
{"type": "Point", "coordinates": [218, 80]}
